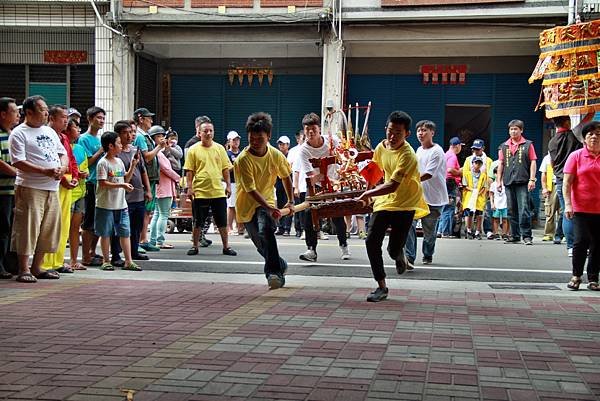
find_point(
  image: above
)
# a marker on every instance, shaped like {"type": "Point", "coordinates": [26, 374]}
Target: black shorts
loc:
{"type": "Point", "coordinates": [90, 207]}
{"type": "Point", "coordinates": [219, 211]}
{"type": "Point", "coordinates": [469, 212]}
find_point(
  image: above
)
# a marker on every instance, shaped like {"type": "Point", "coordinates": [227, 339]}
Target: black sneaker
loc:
{"type": "Point", "coordinates": [192, 251]}
{"type": "Point", "coordinates": [470, 235]}
{"type": "Point", "coordinates": [229, 251]}
{"type": "Point", "coordinates": [205, 243]}
{"type": "Point", "coordinates": [140, 257]}
{"type": "Point", "coordinates": [279, 232]}
{"type": "Point", "coordinates": [378, 295]}
{"type": "Point", "coordinates": [478, 236]}
{"type": "Point", "coordinates": [298, 234]}
{"type": "Point", "coordinates": [427, 261]}
{"type": "Point", "coordinates": [286, 233]}
{"type": "Point", "coordinates": [511, 240]}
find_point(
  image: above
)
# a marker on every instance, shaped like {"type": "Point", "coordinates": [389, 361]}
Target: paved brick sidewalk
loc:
{"type": "Point", "coordinates": [88, 339]}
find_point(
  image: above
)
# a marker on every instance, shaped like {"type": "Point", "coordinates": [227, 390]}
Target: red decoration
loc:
{"type": "Point", "coordinates": [65, 56]}
{"type": "Point", "coordinates": [448, 74]}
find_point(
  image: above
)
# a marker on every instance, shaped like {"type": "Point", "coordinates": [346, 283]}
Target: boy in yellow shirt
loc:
{"type": "Point", "coordinates": [256, 169]}
{"type": "Point", "coordinates": [399, 200]}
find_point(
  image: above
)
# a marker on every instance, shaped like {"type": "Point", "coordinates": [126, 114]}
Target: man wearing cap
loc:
{"type": "Point", "coordinates": [74, 114]}
{"type": "Point", "coordinates": [453, 181]}
{"type": "Point", "coordinates": [285, 223]}
{"type": "Point", "coordinates": [233, 151]}
{"type": "Point", "coordinates": [517, 172]}
{"type": "Point", "coordinates": [149, 149]}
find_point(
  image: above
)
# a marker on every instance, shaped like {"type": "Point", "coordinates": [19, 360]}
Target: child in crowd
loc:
{"type": "Point", "coordinates": [78, 193]}
{"type": "Point", "coordinates": [111, 207]}
{"type": "Point", "coordinates": [475, 181]}
{"type": "Point", "coordinates": [499, 210]}
{"type": "Point", "coordinates": [256, 170]}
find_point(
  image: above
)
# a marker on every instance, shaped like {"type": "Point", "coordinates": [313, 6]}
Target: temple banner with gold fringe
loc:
{"type": "Point", "coordinates": [569, 66]}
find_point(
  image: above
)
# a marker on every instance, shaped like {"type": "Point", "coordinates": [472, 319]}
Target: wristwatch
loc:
{"type": "Point", "coordinates": [533, 179]}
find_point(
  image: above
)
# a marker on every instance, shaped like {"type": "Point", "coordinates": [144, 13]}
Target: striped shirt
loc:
{"type": "Point", "coordinates": [7, 182]}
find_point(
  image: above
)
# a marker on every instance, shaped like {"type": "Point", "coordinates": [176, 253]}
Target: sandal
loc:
{"type": "Point", "coordinates": [134, 267]}
{"type": "Point", "coordinates": [26, 278]}
{"type": "Point", "coordinates": [78, 266]}
{"type": "Point", "coordinates": [166, 246]}
{"type": "Point", "coordinates": [47, 275]}
{"type": "Point", "coordinates": [192, 251]}
{"type": "Point", "coordinates": [65, 269]}
{"type": "Point", "coordinates": [574, 283]}
{"type": "Point", "coordinates": [593, 286]}
{"type": "Point", "coordinates": [107, 267]}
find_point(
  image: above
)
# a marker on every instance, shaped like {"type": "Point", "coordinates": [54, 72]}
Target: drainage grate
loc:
{"type": "Point", "coordinates": [523, 287]}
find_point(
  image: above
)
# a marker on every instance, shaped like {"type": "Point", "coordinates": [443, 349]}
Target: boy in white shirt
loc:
{"type": "Point", "coordinates": [112, 214]}
{"type": "Point", "coordinates": [499, 210]}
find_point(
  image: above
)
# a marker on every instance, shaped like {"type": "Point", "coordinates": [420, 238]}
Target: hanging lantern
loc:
{"type": "Point", "coordinates": [230, 75]}
{"type": "Point", "coordinates": [270, 77]}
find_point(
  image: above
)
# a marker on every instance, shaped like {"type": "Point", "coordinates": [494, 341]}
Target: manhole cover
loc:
{"type": "Point", "coordinates": [523, 287]}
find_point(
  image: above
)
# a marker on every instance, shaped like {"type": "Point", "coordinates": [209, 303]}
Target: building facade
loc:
{"type": "Point", "coordinates": [462, 63]}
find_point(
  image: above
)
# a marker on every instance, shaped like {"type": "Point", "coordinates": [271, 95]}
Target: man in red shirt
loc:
{"type": "Point", "coordinates": [453, 179]}
{"type": "Point", "coordinates": [516, 171]}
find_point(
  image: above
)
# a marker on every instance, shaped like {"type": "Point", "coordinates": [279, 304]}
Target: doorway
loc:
{"type": "Point", "coordinates": [468, 122]}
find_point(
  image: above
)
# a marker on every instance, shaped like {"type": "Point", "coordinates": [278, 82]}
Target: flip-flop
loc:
{"type": "Point", "coordinates": [78, 266]}
{"type": "Point", "coordinates": [26, 278]}
{"type": "Point", "coordinates": [132, 267]}
{"type": "Point", "coordinates": [65, 269]}
{"type": "Point", "coordinates": [47, 275]}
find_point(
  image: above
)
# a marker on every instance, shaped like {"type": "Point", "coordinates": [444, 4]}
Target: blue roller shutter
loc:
{"type": "Point", "coordinates": [229, 105]}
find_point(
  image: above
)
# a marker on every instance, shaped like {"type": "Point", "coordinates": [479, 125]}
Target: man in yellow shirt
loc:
{"type": "Point", "coordinates": [256, 169]}
{"type": "Point", "coordinates": [399, 200]}
{"type": "Point", "coordinates": [206, 165]}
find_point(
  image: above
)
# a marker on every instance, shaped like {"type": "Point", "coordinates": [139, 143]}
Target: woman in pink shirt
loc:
{"type": "Point", "coordinates": [580, 189]}
{"type": "Point", "coordinates": [165, 191]}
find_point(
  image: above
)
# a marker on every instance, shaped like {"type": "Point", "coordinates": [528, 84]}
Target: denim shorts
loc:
{"type": "Point", "coordinates": [78, 206]}
{"type": "Point", "coordinates": [111, 222]}
{"type": "Point", "coordinates": [500, 213]}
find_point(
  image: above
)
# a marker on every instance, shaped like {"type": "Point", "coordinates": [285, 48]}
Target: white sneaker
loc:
{"type": "Point", "coordinates": [345, 252]}
{"type": "Point", "coordinates": [303, 237]}
{"type": "Point", "coordinates": [309, 256]}
{"type": "Point", "coordinates": [570, 252]}
{"type": "Point", "coordinates": [322, 236]}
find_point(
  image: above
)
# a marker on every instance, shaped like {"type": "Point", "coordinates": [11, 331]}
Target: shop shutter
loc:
{"type": "Point", "coordinates": [298, 95]}
{"type": "Point", "coordinates": [82, 90]}
{"type": "Point", "coordinates": [193, 96]}
{"type": "Point", "coordinates": [48, 73]}
{"type": "Point", "coordinates": [12, 81]}
{"type": "Point", "coordinates": [243, 100]}
{"type": "Point", "coordinates": [378, 90]}
{"type": "Point", "coordinates": [146, 85]}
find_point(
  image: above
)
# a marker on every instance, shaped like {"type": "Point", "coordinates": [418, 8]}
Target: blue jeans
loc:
{"type": "Point", "coordinates": [158, 224]}
{"type": "Point", "coordinates": [137, 210]}
{"type": "Point", "coordinates": [567, 224]}
{"type": "Point", "coordinates": [261, 230]}
{"type": "Point", "coordinates": [429, 223]}
{"type": "Point", "coordinates": [447, 218]}
{"type": "Point", "coordinates": [519, 211]}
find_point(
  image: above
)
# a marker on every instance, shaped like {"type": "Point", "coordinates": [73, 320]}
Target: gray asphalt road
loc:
{"type": "Point", "coordinates": [455, 259]}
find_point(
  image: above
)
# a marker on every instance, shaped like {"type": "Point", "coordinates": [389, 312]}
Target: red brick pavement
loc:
{"type": "Point", "coordinates": [84, 340]}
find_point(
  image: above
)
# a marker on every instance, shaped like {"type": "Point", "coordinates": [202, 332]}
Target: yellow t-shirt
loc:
{"type": "Point", "coordinates": [401, 166]}
{"type": "Point", "coordinates": [207, 165]}
{"type": "Point", "coordinates": [254, 173]}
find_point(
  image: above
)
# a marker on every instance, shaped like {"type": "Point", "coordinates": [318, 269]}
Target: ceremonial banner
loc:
{"type": "Point", "coordinates": [568, 65]}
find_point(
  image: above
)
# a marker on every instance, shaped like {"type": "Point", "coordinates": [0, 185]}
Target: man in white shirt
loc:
{"type": "Point", "coordinates": [432, 167]}
{"type": "Point", "coordinates": [41, 161]}
{"type": "Point", "coordinates": [315, 147]}
{"type": "Point", "coordinates": [298, 195]}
